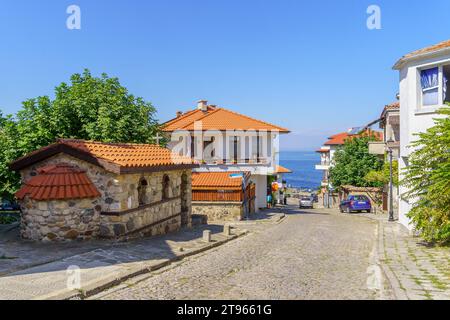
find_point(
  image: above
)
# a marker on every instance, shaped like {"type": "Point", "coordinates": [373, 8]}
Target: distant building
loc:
{"type": "Point", "coordinates": [390, 123]}
{"type": "Point", "coordinates": [327, 195]}
{"type": "Point", "coordinates": [424, 88]}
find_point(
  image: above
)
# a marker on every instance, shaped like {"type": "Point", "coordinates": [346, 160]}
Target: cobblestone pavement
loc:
{"type": "Point", "coordinates": [416, 271]}
{"type": "Point", "coordinates": [310, 255]}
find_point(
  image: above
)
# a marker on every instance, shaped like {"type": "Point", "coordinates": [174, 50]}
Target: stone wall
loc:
{"type": "Point", "coordinates": [219, 211]}
{"type": "Point", "coordinates": [116, 213]}
{"type": "Point", "coordinates": [60, 220]}
{"type": "Point", "coordinates": [150, 220]}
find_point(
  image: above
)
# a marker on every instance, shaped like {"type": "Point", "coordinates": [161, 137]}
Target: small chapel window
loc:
{"type": "Point", "coordinates": [166, 186]}
{"type": "Point", "coordinates": [142, 191]}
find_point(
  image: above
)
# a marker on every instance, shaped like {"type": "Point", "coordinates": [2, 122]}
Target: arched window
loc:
{"type": "Point", "coordinates": [142, 192]}
{"type": "Point", "coordinates": [166, 187]}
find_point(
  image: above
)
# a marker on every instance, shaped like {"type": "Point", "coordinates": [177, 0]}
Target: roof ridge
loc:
{"type": "Point", "coordinates": [248, 117]}
{"type": "Point", "coordinates": [203, 117]}
{"type": "Point", "coordinates": [184, 115]}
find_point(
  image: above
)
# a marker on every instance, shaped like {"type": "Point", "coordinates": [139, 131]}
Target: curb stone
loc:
{"type": "Point", "coordinates": [394, 285]}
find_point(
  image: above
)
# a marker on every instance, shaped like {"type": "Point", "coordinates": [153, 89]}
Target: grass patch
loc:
{"type": "Point", "coordinates": [436, 282]}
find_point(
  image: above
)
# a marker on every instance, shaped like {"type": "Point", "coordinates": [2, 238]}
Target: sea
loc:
{"type": "Point", "coordinates": [302, 163]}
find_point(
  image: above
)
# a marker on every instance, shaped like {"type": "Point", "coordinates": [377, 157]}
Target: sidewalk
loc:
{"type": "Point", "coordinates": [104, 267]}
{"type": "Point", "coordinates": [415, 270]}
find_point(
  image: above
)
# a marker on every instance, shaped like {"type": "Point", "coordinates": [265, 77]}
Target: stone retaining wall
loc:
{"type": "Point", "coordinates": [219, 211]}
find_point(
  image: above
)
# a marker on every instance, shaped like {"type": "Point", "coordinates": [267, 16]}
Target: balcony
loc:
{"type": "Point", "coordinates": [324, 165]}
{"type": "Point", "coordinates": [257, 161]}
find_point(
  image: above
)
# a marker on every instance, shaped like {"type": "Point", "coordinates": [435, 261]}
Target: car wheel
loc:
{"type": "Point", "coordinates": [341, 210]}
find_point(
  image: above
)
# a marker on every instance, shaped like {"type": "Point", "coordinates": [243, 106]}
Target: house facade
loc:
{"type": "Point", "coordinates": [389, 121]}
{"type": "Point", "coordinates": [79, 190]}
{"type": "Point", "coordinates": [224, 141]}
{"type": "Point", "coordinates": [424, 89]}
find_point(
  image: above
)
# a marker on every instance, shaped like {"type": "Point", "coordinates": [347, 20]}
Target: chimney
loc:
{"type": "Point", "coordinates": [202, 105]}
{"type": "Point", "coordinates": [179, 114]}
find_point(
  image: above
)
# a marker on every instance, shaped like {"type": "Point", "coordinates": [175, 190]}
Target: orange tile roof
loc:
{"type": "Point", "coordinates": [340, 138]}
{"type": "Point", "coordinates": [323, 150]}
{"type": "Point", "coordinates": [59, 182]}
{"type": "Point", "coordinates": [337, 139]}
{"type": "Point", "coordinates": [281, 169]}
{"type": "Point", "coordinates": [218, 119]}
{"type": "Point", "coordinates": [216, 180]}
{"type": "Point", "coordinates": [434, 48]}
{"type": "Point", "coordinates": [115, 157]}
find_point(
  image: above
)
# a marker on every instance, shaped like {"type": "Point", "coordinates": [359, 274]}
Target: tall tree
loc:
{"type": "Point", "coordinates": [427, 178]}
{"type": "Point", "coordinates": [91, 108]}
{"type": "Point", "coordinates": [352, 162]}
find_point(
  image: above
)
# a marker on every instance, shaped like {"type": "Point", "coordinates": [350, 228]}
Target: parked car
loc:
{"type": "Point", "coordinates": [7, 205]}
{"type": "Point", "coordinates": [306, 202]}
{"type": "Point", "coordinates": [358, 203]}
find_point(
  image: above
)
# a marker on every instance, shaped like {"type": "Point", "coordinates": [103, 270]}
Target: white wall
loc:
{"type": "Point", "coordinates": [413, 117]}
{"type": "Point", "coordinates": [261, 190]}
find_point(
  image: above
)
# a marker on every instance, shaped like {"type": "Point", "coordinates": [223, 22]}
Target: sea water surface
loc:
{"type": "Point", "coordinates": [302, 163]}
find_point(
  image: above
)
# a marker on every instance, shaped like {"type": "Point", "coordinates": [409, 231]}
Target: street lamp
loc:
{"type": "Point", "coordinates": [391, 182]}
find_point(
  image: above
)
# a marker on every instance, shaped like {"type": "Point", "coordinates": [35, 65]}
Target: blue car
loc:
{"type": "Point", "coordinates": [358, 203]}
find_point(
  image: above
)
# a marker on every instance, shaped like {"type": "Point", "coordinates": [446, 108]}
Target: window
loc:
{"type": "Point", "coordinates": [445, 83]}
{"type": "Point", "coordinates": [434, 85]}
{"type": "Point", "coordinates": [166, 187]}
{"type": "Point", "coordinates": [142, 192]}
{"type": "Point", "coordinates": [429, 80]}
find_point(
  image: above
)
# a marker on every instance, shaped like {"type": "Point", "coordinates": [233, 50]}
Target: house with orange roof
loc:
{"type": "Point", "coordinates": [227, 142]}
{"type": "Point", "coordinates": [424, 88]}
{"type": "Point", "coordinates": [327, 152]}
{"type": "Point", "coordinates": [78, 190]}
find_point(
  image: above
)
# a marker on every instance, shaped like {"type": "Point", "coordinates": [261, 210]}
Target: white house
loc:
{"type": "Point", "coordinates": [222, 140]}
{"type": "Point", "coordinates": [424, 88]}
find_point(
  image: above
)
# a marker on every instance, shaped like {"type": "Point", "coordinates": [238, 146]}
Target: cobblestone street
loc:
{"type": "Point", "coordinates": [311, 254]}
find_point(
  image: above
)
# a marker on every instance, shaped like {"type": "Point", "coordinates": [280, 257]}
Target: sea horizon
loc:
{"type": "Point", "coordinates": [302, 163]}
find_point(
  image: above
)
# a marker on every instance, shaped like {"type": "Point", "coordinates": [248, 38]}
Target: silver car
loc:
{"type": "Point", "coordinates": [306, 202]}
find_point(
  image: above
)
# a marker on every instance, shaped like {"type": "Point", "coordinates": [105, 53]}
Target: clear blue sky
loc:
{"type": "Point", "coordinates": [310, 66]}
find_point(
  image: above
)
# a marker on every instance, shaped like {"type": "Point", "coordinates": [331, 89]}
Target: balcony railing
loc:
{"type": "Point", "coordinates": [235, 161]}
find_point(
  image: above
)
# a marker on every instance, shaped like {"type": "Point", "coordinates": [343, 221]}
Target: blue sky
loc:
{"type": "Point", "coordinates": [310, 66]}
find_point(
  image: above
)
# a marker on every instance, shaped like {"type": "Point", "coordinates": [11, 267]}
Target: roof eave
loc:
{"type": "Point", "coordinates": [402, 61]}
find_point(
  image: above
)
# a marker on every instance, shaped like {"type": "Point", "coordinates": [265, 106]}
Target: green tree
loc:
{"type": "Point", "coordinates": [90, 108]}
{"type": "Point", "coordinates": [352, 162]}
{"type": "Point", "coordinates": [382, 176]}
{"type": "Point", "coordinates": [427, 179]}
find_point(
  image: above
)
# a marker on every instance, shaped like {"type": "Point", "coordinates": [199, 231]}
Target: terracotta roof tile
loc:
{"type": "Point", "coordinates": [340, 138]}
{"type": "Point", "coordinates": [58, 182]}
{"type": "Point", "coordinates": [218, 119]}
{"type": "Point", "coordinates": [281, 169]}
{"type": "Point", "coordinates": [216, 180]}
{"type": "Point", "coordinates": [121, 155]}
